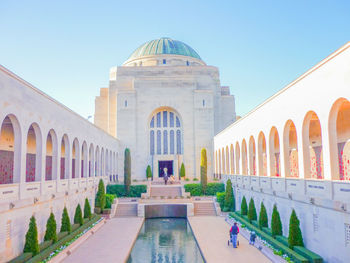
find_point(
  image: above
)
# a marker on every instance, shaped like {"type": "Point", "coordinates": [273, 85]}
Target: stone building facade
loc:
{"type": "Point", "coordinates": [165, 104]}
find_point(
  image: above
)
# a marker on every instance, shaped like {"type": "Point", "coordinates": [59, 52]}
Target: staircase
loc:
{"type": "Point", "coordinates": [204, 208]}
{"type": "Point", "coordinates": [166, 191]}
{"type": "Point", "coordinates": [126, 209]}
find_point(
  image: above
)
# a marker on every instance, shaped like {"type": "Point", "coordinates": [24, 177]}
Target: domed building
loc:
{"type": "Point", "coordinates": [165, 104]}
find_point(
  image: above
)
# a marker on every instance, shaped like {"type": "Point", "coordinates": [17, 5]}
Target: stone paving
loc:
{"type": "Point", "coordinates": [212, 233]}
{"type": "Point", "coordinates": [112, 243]}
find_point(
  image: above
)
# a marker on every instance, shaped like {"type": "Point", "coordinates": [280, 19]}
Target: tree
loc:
{"type": "Point", "coordinates": [51, 229]}
{"type": "Point", "coordinates": [229, 198]}
{"type": "Point", "coordinates": [127, 171]}
{"type": "Point", "coordinates": [251, 211]}
{"type": "Point", "coordinates": [31, 244]}
{"type": "Point", "coordinates": [78, 216]}
{"type": "Point", "coordinates": [87, 209]}
{"type": "Point", "coordinates": [276, 224]}
{"type": "Point", "coordinates": [148, 172]}
{"type": "Point", "coordinates": [182, 171]}
{"type": "Point", "coordinates": [295, 237]}
{"type": "Point", "coordinates": [204, 178]}
{"type": "Point", "coordinates": [263, 216]}
{"type": "Point", "coordinates": [101, 195]}
{"type": "Point", "coordinates": [244, 207]}
{"type": "Point", "coordinates": [65, 222]}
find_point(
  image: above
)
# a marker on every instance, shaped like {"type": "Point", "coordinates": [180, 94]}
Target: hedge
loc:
{"type": "Point", "coordinates": [283, 240]}
{"type": "Point", "coordinates": [119, 190]}
{"type": "Point", "coordinates": [21, 258]}
{"type": "Point", "coordinates": [212, 189]}
{"type": "Point", "coordinates": [109, 200]}
{"type": "Point", "coordinates": [297, 258]}
{"type": "Point", "coordinates": [220, 197]}
{"type": "Point", "coordinates": [46, 248]}
{"type": "Point", "coordinates": [313, 257]}
{"type": "Point", "coordinates": [46, 253]}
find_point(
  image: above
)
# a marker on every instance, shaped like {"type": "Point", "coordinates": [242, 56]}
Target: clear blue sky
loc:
{"type": "Point", "coordinates": [66, 48]}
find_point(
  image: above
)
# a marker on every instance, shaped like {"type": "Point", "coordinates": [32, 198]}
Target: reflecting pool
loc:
{"type": "Point", "coordinates": [165, 240]}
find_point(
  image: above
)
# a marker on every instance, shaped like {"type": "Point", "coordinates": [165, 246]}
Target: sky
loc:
{"type": "Point", "coordinates": [66, 48]}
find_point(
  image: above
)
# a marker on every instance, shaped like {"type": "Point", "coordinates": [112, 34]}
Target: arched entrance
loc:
{"type": "Point", "coordinates": [165, 142]}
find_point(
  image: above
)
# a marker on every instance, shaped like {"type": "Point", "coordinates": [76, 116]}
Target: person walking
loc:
{"type": "Point", "coordinates": [252, 238]}
{"type": "Point", "coordinates": [234, 232]}
{"type": "Point", "coordinates": [165, 175]}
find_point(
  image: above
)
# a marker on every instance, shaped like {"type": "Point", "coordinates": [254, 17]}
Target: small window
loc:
{"type": "Point", "coordinates": [203, 103]}
{"type": "Point", "coordinates": [125, 103]}
{"type": "Point", "coordinates": [164, 61]}
{"type": "Point", "coordinates": [187, 63]}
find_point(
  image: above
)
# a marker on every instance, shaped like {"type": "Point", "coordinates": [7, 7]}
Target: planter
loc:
{"type": "Point", "coordinates": [97, 210]}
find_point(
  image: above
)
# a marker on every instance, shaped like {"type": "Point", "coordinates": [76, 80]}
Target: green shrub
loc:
{"type": "Point", "coordinates": [75, 226]}
{"type": "Point", "coordinates": [244, 206]}
{"type": "Point", "coordinates": [61, 235]}
{"type": "Point", "coordinates": [97, 210]}
{"type": "Point", "coordinates": [78, 216]}
{"type": "Point", "coordinates": [182, 171]}
{"type": "Point", "coordinates": [31, 243]}
{"type": "Point", "coordinates": [276, 224]}
{"type": "Point", "coordinates": [65, 222]}
{"type": "Point", "coordinates": [213, 188]}
{"type": "Point", "coordinates": [263, 221]}
{"type": "Point", "coordinates": [313, 257]}
{"type": "Point", "coordinates": [100, 200]}
{"type": "Point", "coordinates": [127, 171]}
{"type": "Point", "coordinates": [148, 172]}
{"type": "Point", "coordinates": [195, 179]}
{"type": "Point", "coordinates": [229, 198]}
{"type": "Point", "coordinates": [193, 189]}
{"type": "Point", "coordinates": [87, 209]}
{"type": "Point", "coordinates": [51, 229]}
{"type": "Point", "coordinates": [119, 190]}
{"type": "Point", "coordinates": [23, 258]}
{"type": "Point", "coordinates": [204, 178]}
{"type": "Point", "coordinates": [252, 211]}
{"type": "Point", "coordinates": [109, 200]}
{"type": "Point", "coordinates": [187, 179]}
{"type": "Point", "coordinates": [295, 237]}
{"type": "Point", "coordinates": [220, 197]}
{"type": "Point", "coordinates": [283, 240]}
{"type": "Point", "coordinates": [45, 244]}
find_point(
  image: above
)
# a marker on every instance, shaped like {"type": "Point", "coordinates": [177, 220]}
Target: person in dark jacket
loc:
{"type": "Point", "coordinates": [252, 238]}
{"type": "Point", "coordinates": [233, 233]}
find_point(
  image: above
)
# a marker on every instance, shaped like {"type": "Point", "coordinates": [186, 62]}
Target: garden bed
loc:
{"type": "Point", "coordinates": [279, 244]}
{"type": "Point", "coordinates": [212, 189]}
{"type": "Point", "coordinates": [49, 250]}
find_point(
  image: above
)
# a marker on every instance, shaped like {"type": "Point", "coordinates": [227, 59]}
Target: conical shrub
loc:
{"type": "Point", "coordinates": [87, 209]}
{"type": "Point", "coordinates": [127, 171]}
{"type": "Point", "coordinates": [182, 171]}
{"type": "Point", "coordinates": [251, 211]}
{"type": "Point", "coordinates": [229, 204]}
{"type": "Point", "coordinates": [65, 222]}
{"type": "Point", "coordinates": [101, 195]}
{"type": "Point", "coordinates": [204, 178]}
{"type": "Point", "coordinates": [51, 229]}
{"type": "Point", "coordinates": [31, 244]}
{"type": "Point", "coordinates": [244, 207]}
{"type": "Point", "coordinates": [78, 216]}
{"type": "Point", "coordinates": [148, 172]}
{"type": "Point", "coordinates": [295, 237]}
{"type": "Point", "coordinates": [263, 216]}
{"type": "Point", "coordinates": [276, 224]}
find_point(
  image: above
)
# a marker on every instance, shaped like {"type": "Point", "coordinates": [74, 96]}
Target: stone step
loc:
{"type": "Point", "coordinates": [126, 210]}
{"type": "Point", "coordinates": [165, 191]}
{"type": "Point", "coordinates": [204, 209]}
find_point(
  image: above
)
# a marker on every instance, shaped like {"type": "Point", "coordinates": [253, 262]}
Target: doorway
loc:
{"type": "Point", "coordinates": [165, 164]}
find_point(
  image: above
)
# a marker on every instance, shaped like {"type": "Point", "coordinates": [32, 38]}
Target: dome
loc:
{"type": "Point", "coordinates": [164, 46]}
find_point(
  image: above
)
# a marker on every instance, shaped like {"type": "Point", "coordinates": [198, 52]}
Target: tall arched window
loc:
{"type": "Point", "coordinates": [165, 125]}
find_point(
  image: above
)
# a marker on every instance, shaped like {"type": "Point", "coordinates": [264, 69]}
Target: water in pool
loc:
{"type": "Point", "coordinates": [165, 240]}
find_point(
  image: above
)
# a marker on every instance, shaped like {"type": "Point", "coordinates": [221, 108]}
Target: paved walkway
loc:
{"type": "Point", "coordinates": [112, 243]}
{"type": "Point", "coordinates": [212, 233]}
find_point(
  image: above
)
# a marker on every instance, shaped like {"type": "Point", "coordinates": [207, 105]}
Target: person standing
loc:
{"type": "Point", "coordinates": [234, 232]}
{"type": "Point", "coordinates": [252, 238]}
{"type": "Point", "coordinates": [166, 175]}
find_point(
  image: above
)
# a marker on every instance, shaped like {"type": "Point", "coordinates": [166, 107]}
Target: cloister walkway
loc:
{"type": "Point", "coordinates": [211, 233]}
